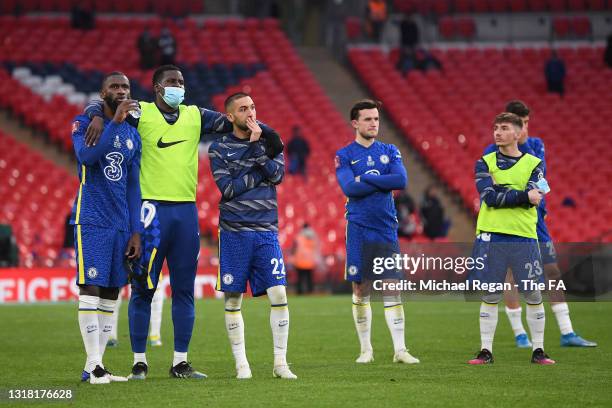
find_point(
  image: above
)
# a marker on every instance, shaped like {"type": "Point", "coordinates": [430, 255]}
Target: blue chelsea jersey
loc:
{"type": "Point", "coordinates": [102, 199]}
{"type": "Point", "coordinates": [374, 209]}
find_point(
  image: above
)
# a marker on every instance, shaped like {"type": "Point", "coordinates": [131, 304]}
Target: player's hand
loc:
{"type": "Point", "coordinates": [254, 128]}
{"type": "Point", "coordinates": [123, 109]}
{"type": "Point", "coordinates": [535, 196]}
{"type": "Point", "coordinates": [133, 249]}
{"type": "Point", "coordinates": [94, 130]}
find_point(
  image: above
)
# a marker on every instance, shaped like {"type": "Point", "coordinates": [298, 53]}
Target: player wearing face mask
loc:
{"type": "Point", "coordinates": [171, 133]}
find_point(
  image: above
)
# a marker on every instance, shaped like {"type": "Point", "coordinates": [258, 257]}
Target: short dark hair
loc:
{"type": "Point", "coordinates": [518, 108]}
{"type": "Point", "coordinates": [364, 104]}
{"type": "Point", "coordinates": [159, 72]}
{"type": "Point", "coordinates": [111, 74]}
{"type": "Point", "coordinates": [233, 97]}
{"type": "Point", "coordinates": [508, 117]}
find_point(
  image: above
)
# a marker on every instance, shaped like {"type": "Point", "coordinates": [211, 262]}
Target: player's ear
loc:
{"type": "Point", "coordinates": [230, 117]}
{"type": "Point", "coordinates": [354, 123]}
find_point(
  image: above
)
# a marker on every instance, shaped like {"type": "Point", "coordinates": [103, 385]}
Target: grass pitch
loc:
{"type": "Point", "coordinates": [40, 347]}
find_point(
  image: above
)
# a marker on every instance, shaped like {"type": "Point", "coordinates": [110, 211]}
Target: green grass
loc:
{"type": "Point", "coordinates": [40, 347]}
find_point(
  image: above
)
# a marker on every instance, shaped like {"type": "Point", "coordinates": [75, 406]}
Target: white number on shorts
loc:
{"type": "Point", "coordinates": [534, 270]}
{"type": "Point", "coordinates": [279, 266]}
{"type": "Point", "coordinates": [147, 213]}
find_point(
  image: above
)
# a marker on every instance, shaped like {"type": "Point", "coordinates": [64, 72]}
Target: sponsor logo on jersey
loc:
{"type": "Point", "coordinates": [113, 171]}
{"type": "Point", "coordinates": [162, 145]}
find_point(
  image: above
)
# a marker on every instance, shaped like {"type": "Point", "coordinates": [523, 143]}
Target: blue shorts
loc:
{"type": "Point", "coordinates": [171, 234]}
{"type": "Point", "coordinates": [100, 255]}
{"type": "Point", "coordinates": [499, 252]}
{"type": "Point", "coordinates": [548, 251]}
{"type": "Point", "coordinates": [363, 246]}
{"type": "Point", "coordinates": [250, 256]}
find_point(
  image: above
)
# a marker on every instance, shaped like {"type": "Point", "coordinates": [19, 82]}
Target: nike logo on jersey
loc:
{"type": "Point", "coordinates": [163, 145]}
{"type": "Point", "coordinates": [355, 161]}
{"type": "Point", "coordinates": [231, 154]}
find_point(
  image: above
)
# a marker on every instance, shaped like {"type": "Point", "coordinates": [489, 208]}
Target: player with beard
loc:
{"type": "Point", "coordinates": [249, 250]}
{"type": "Point", "coordinates": [368, 171]}
{"type": "Point", "coordinates": [106, 216]}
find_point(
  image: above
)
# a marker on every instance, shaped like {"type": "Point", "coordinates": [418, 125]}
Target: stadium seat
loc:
{"type": "Point", "coordinates": [447, 27]}
{"type": "Point", "coordinates": [557, 5]}
{"type": "Point", "coordinates": [598, 5]}
{"type": "Point", "coordinates": [518, 6]}
{"type": "Point", "coordinates": [353, 28]}
{"type": "Point", "coordinates": [576, 5]}
{"type": "Point", "coordinates": [462, 6]}
{"type": "Point", "coordinates": [581, 26]}
{"type": "Point", "coordinates": [537, 5]}
{"type": "Point", "coordinates": [561, 26]}
{"type": "Point", "coordinates": [498, 6]}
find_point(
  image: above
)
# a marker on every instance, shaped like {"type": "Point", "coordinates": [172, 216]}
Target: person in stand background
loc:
{"type": "Point", "coordinates": [167, 47]}
{"type": "Point", "coordinates": [147, 49]}
{"type": "Point", "coordinates": [306, 257]}
{"type": "Point", "coordinates": [554, 71]}
{"type": "Point", "coordinates": [298, 150]}
{"type": "Point", "coordinates": [406, 215]}
{"type": "Point", "coordinates": [376, 17]}
{"type": "Point", "coordinates": [435, 225]}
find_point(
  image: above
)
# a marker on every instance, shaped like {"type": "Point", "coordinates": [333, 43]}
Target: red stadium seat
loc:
{"type": "Point", "coordinates": [557, 5]}
{"type": "Point", "coordinates": [561, 26]}
{"type": "Point", "coordinates": [581, 26]}
{"type": "Point", "coordinates": [576, 5]}
{"type": "Point", "coordinates": [537, 5]}
{"type": "Point", "coordinates": [440, 7]}
{"type": "Point", "coordinates": [518, 6]}
{"type": "Point", "coordinates": [466, 27]}
{"type": "Point", "coordinates": [447, 27]}
{"type": "Point", "coordinates": [353, 28]}
{"type": "Point", "coordinates": [462, 6]}
{"type": "Point", "coordinates": [598, 5]}
{"type": "Point", "coordinates": [499, 6]}
{"type": "Point", "coordinates": [481, 6]}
